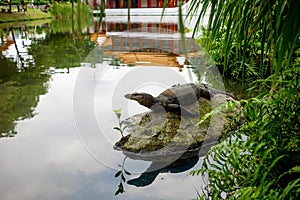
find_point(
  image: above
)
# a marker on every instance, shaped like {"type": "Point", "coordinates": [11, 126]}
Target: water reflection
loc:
{"type": "Point", "coordinates": [19, 94]}
{"type": "Point", "coordinates": [160, 164]}
{"type": "Point", "coordinates": [47, 160]}
{"type": "Point", "coordinates": [147, 177]}
{"type": "Point", "coordinates": [156, 167]}
{"type": "Point", "coordinates": [29, 55]}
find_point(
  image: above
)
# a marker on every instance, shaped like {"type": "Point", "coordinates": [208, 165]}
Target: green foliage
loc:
{"type": "Point", "coordinates": [59, 49]}
{"type": "Point", "coordinates": [226, 106]}
{"type": "Point", "coordinates": [20, 88]}
{"type": "Point", "coordinates": [19, 96]}
{"type": "Point", "coordinates": [71, 17]}
{"type": "Point", "coordinates": [234, 66]}
{"type": "Point", "coordinates": [60, 10]}
{"type": "Point", "coordinates": [41, 2]}
{"type": "Point", "coordinates": [257, 41]}
{"type": "Point", "coordinates": [18, 2]}
{"type": "Point", "coordinates": [79, 11]}
{"type": "Point", "coordinates": [262, 32]}
{"type": "Point", "coordinates": [262, 159]}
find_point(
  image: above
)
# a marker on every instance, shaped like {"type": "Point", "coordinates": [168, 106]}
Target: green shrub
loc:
{"type": "Point", "coordinates": [264, 32]}
{"type": "Point", "coordinates": [235, 66]}
{"type": "Point", "coordinates": [262, 159]}
{"type": "Point", "coordinates": [257, 41]}
{"type": "Point", "coordinates": [64, 11]}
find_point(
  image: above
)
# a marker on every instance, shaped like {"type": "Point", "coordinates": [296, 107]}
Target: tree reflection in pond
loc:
{"type": "Point", "coordinates": [59, 51]}
{"type": "Point", "coordinates": [22, 85]}
{"type": "Point", "coordinates": [19, 94]}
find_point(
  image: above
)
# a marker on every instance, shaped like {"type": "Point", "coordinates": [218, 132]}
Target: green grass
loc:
{"type": "Point", "coordinates": [37, 22]}
{"type": "Point", "coordinates": [29, 15]}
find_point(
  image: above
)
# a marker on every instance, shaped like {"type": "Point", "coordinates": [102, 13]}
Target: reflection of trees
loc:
{"type": "Point", "coordinates": [19, 94]}
{"type": "Point", "coordinates": [7, 67]}
{"type": "Point", "coordinates": [20, 88]}
{"type": "Point", "coordinates": [17, 49]}
{"type": "Point", "coordinates": [59, 51]}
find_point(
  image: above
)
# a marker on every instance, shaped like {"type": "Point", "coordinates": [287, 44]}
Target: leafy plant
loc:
{"type": "Point", "coordinates": [272, 25]}
{"type": "Point", "coordinates": [120, 128]}
{"type": "Point", "coordinates": [225, 107]}
{"type": "Point", "coordinates": [261, 159]}
{"type": "Point", "coordinates": [79, 12]}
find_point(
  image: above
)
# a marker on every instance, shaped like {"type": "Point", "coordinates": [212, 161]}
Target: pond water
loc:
{"type": "Point", "coordinates": [58, 91]}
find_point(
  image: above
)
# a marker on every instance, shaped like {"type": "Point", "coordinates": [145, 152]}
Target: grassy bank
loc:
{"type": "Point", "coordinates": [38, 22]}
{"type": "Point", "coordinates": [21, 16]}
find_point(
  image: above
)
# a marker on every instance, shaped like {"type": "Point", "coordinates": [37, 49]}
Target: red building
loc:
{"type": "Point", "coordinates": [139, 3]}
{"type": "Point", "coordinates": [112, 4]}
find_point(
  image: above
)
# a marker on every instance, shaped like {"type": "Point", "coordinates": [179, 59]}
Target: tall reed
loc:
{"type": "Point", "coordinates": [71, 17]}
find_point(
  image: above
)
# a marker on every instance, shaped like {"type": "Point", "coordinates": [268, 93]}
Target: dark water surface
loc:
{"type": "Point", "coordinates": [58, 91]}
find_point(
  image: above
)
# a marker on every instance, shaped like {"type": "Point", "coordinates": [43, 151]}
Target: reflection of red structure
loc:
{"type": "Point", "coordinates": [119, 27]}
{"type": "Point", "coordinates": [153, 43]}
{"type": "Point", "coordinates": [163, 38]}
{"type": "Point", "coordinates": [6, 45]}
{"type": "Point", "coordinates": [139, 43]}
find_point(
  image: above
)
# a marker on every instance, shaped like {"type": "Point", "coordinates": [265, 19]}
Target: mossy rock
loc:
{"type": "Point", "coordinates": [161, 133]}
